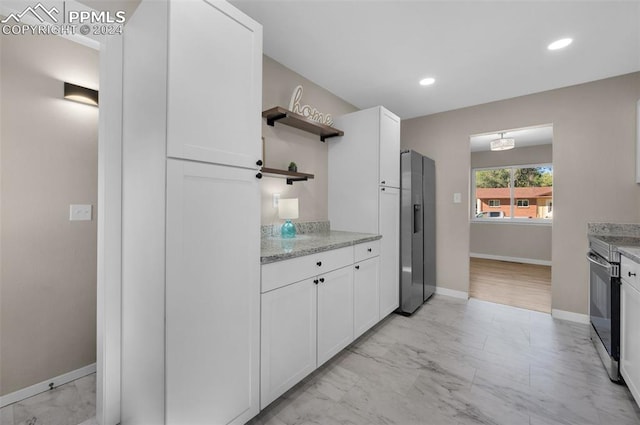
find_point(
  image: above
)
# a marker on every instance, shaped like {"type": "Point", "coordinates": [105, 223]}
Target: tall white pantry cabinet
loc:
{"type": "Point", "coordinates": [364, 189]}
{"type": "Point", "coordinates": [191, 214]}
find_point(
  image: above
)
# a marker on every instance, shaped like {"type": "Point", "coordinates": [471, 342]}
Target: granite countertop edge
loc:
{"type": "Point", "coordinates": [319, 246]}
{"type": "Point", "coordinates": [631, 252]}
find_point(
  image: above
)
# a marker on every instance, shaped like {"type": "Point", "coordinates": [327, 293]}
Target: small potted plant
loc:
{"type": "Point", "coordinates": [293, 167]}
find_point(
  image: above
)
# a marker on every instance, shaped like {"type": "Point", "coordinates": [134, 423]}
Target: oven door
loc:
{"type": "Point", "coordinates": [604, 306]}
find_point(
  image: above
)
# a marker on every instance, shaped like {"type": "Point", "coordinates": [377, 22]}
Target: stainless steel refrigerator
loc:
{"type": "Point", "coordinates": [417, 230]}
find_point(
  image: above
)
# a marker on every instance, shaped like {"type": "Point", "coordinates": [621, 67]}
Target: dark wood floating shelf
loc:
{"type": "Point", "coordinates": [290, 175]}
{"type": "Point", "coordinates": [287, 117]}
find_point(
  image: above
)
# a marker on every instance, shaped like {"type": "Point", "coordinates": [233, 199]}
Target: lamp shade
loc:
{"type": "Point", "coordinates": [288, 208]}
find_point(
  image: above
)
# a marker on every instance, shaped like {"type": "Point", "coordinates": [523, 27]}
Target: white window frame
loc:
{"type": "Point", "coordinates": [494, 201]}
{"type": "Point", "coordinates": [522, 200]}
{"type": "Point", "coordinates": [511, 219]}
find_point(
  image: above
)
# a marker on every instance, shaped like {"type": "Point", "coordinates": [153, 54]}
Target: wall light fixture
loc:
{"type": "Point", "coordinates": [80, 94]}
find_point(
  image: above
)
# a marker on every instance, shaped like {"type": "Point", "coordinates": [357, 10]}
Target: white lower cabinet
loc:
{"type": "Point", "coordinates": [366, 295]}
{"type": "Point", "coordinates": [306, 323]}
{"type": "Point", "coordinates": [335, 312]}
{"type": "Point", "coordinates": [630, 334]}
{"type": "Point", "coordinates": [288, 349]}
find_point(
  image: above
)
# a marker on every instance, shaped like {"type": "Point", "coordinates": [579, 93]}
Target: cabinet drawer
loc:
{"type": "Point", "coordinates": [281, 273]}
{"type": "Point", "coordinates": [629, 272]}
{"type": "Point", "coordinates": [366, 250]}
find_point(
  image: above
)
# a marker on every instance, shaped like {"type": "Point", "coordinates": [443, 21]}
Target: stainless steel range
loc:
{"type": "Point", "coordinates": [604, 295]}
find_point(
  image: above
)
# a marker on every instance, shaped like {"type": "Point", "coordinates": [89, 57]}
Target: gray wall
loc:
{"type": "Point", "coordinates": [594, 137]}
{"type": "Point", "coordinates": [526, 241]}
{"type": "Point", "coordinates": [515, 241]}
{"type": "Point", "coordinates": [49, 160]}
{"type": "Point", "coordinates": [284, 144]}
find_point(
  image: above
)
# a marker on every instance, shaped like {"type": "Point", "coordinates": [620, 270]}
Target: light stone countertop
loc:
{"type": "Point", "coordinates": [618, 241]}
{"type": "Point", "coordinates": [625, 236]}
{"type": "Point", "coordinates": [277, 249]}
{"type": "Point", "coordinates": [631, 252]}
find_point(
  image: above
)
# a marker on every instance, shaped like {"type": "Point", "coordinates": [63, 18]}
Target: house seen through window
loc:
{"type": "Point", "coordinates": [513, 193]}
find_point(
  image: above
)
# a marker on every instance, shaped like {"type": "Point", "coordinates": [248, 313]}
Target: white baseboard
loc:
{"type": "Point", "coordinates": [43, 386]}
{"type": "Point", "coordinates": [510, 259]}
{"type": "Point", "coordinates": [452, 293]}
{"type": "Point", "coordinates": [570, 316]}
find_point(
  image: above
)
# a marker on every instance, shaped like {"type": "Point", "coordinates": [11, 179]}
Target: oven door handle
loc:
{"type": "Point", "coordinates": [592, 258]}
{"type": "Point", "coordinates": [612, 269]}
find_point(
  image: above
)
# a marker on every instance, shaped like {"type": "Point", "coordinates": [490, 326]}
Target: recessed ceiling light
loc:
{"type": "Point", "coordinates": [560, 44]}
{"type": "Point", "coordinates": [427, 81]}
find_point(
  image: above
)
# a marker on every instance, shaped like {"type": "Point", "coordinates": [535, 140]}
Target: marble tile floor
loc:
{"type": "Point", "coordinates": [69, 404]}
{"type": "Point", "coordinates": [461, 362]}
{"type": "Point", "coordinates": [454, 362]}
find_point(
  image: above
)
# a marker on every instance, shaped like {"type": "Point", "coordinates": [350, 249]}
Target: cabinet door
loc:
{"type": "Point", "coordinates": [389, 149]}
{"type": "Point", "coordinates": [212, 294]}
{"type": "Point", "coordinates": [389, 250]}
{"type": "Point", "coordinates": [335, 312]}
{"type": "Point", "coordinates": [214, 84]}
{"type": "Point", "coordinates": [366, 310]}
{"type": "Point", "coordinates": [288, 334]}
{"type": "Point", "coordinates": [630, 338]}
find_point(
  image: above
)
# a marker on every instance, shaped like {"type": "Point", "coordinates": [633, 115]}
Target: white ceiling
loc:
{"type": "Point", "coordinates": [524, 137]}
{"type": "Point", "coordinates": [375, 52]}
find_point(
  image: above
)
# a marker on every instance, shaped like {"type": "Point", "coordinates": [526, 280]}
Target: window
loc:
{"type": "Point", "coordinates": [515, 193]}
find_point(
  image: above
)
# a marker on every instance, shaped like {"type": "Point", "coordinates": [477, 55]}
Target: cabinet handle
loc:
{"type": "Point", "coordinates": [631, 274]}
{"type": "Point", "coordinates": [315, 281]}
{"type": "Point", "coordinates": [259, 175]}
{"type": "Point", "coordinates": [259, 162]}
{"type": "Point", "coordinates": [322, 280]}
{"type": "Point", "coordinates": [319, 263]}
{"type": "Point", "coordinates": [357, 267]}
{"type": "Point", "coordinates": [382, 189]}
{"type": "Point", "coordinates": [383, 182]}
{"type": "Point", "coordinates": [368, 249]}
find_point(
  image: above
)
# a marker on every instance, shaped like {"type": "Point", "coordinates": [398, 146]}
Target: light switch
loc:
{"type": "Point", "coordinates": [80, 212]}
{"type": "Point", "coordinates": [457, 198]}
{"type": "Point", "coordinates": [276, 200]}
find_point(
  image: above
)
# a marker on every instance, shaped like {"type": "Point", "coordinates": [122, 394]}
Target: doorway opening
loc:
{"type": "Point", "coordinates": [511, 216]}
{"type": "Point", "coordinates": [49, 220]}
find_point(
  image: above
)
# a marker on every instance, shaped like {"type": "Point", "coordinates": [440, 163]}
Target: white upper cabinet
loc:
{"type": "Point", "coordinates": [389, 149]}
{"type": "Point", "coordinates": [365, 158]}
{"type": "Point", "coordinates": [214, 84]}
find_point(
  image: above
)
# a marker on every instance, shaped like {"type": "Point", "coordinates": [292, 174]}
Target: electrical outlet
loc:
{"type": "Point", "coordinates": [276, 200]}
{"type": "Point", "coordinates": [80, 212]}
{"type": "Point", "coordinates": [457, 198]}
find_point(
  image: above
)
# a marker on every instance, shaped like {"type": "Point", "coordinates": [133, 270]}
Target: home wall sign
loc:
{"type": "Point", "coordinates": [307, 110]}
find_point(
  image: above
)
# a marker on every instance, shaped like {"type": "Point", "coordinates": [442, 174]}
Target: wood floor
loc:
{"type": "Point", "coordinates": [515, 284]}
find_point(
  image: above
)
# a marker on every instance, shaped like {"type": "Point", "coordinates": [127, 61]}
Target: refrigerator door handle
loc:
{"type": "Point", "coordinates": [415, 224]}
